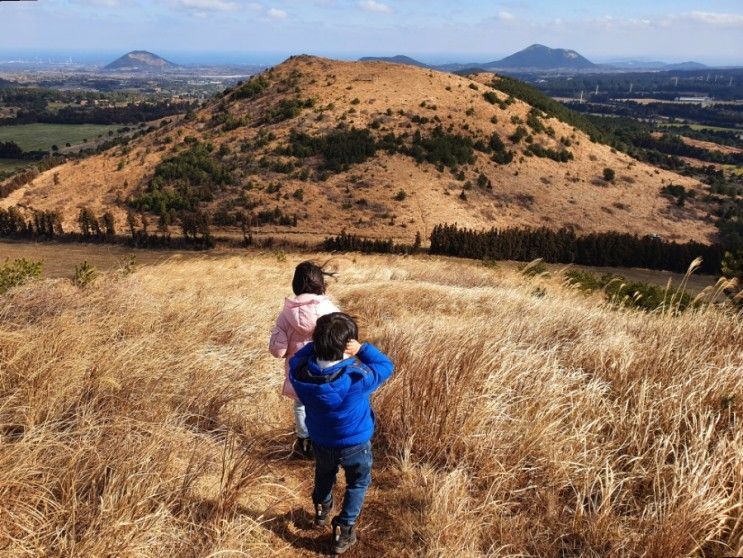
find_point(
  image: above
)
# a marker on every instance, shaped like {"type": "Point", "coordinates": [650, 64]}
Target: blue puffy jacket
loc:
{"type": "Point", "coordinates": [336, 399]}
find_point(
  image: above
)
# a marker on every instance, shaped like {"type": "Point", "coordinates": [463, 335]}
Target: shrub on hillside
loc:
{"type": "Point", "coordinates": [501, 155]}
{"type": "Point", "coordinates": [17, 272]}
{"type": "Point", "coordinates": [562, 156]}
{"type": "Point", "coordinates": [251, 89]}
{"type": "Point", "coordinates": [286, 109]}
{"type": "Point", "coordinates": [275, 216]}
{"type": "Point", "coordinates": [634, 295]}
{"type": "Point", "coordinates": [518, 135]}
{"type": "Point", "coordinates": [180, 183]}
{"type": "Point", "coordinates": [491, 97]}
{"type": "Point", "coordinates": [84, 275]}
{"type": "Point", "coordinates": [339, 149]}
{"type": "Point", "coordinates": [677, 192]}
{"type": "Point", "coordinates": [533, 121]}
{"type": "Point", "coordinates": [232, 123]}
{"type": "Point", "coordinates": [442, 147]}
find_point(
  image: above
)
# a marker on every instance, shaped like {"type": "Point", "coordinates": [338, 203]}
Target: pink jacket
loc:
{"type": "Point", "coordinates": [294, 328]}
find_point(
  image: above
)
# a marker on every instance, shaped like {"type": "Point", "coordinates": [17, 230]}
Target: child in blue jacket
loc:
{"type": "Point", "coordinates": [333, 377]}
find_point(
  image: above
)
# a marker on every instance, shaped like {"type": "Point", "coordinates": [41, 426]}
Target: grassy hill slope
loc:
{"type": "Point", "coordinates": [315, 146]}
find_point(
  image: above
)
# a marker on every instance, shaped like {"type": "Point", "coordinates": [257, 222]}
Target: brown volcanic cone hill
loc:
{"type": "Point", "coordinates": [276, 148]}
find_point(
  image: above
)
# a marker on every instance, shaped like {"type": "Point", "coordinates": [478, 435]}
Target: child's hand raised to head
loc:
{"type": "Point", "coordinates": [353, 347]}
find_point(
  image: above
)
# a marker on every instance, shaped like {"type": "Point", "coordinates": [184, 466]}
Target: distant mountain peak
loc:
{"type": "Point", "coordinates": [398, 59]}
{"type": "Point", "coordinates": [140, 60]}
{"type": "Point", "coordinates": [542, 57]}
{"type": "Point", "coordinates": [690, 65]}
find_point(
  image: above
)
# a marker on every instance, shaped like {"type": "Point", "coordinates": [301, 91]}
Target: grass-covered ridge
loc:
{"type": "Point", "coordinates": [538, 100]}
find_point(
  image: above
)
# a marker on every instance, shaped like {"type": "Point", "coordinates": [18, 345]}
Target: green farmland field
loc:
{"type": "Point", "coordinates": [699, 127]}
{"type": "Point", "coordinates": [32, 137]}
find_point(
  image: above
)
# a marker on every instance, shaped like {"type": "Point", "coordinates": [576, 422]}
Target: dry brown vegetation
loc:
{"type": "Point", "coordinates": [530, 191]}
{"type": "Point", "coordinates": [141, 417]}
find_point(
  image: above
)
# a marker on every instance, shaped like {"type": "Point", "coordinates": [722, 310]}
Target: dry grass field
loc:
{"type": "Point", "coordinates": [59, 260]}
{"type": "Point", "coordinates": [141, 416]}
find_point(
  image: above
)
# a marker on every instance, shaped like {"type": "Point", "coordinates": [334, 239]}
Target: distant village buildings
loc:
{"type": "Point", "coordinates": [703, 101]}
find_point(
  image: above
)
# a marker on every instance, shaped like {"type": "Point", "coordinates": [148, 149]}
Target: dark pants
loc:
{"type": "Point", "coordinates": [357, 464]}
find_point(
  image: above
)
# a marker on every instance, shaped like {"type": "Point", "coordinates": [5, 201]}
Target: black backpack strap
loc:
{"type": "Point", "coordinates": [303, 374]}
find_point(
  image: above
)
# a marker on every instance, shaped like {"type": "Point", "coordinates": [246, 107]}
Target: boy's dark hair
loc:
{"type": "Point", "coordinates": [309, 278]}
{"type": "Point", "coordinates": [332, 334]}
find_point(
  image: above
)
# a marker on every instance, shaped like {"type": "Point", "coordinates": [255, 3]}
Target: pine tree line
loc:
{"type": "Point", "coordinates": [346, 242]}
{"type": "Point", "coordinates": [47, 225]}
{"type": "Point", "coordinates": [43, 224]}
{"type": "Point", "coordinates": [609, 249]}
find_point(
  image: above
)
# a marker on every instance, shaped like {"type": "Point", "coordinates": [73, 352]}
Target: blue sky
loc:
{"type": "Point", "coordinates": [433, 30]}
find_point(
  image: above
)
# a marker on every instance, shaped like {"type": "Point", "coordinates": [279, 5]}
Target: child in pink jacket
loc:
{"type": "Point", "coordinates": [293, 330]}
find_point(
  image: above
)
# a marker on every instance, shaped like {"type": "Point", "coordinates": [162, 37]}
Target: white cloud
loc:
{"type": "Point", "coordinates": [374, 6]}
{"type": "Point", "coordinates": [104, 3]}
{"type": "Point", "coordinates": [506, 16]}
{"type": "Point", "coordinates": [275, 13]}
{"type": "Point", "coordinates": [716, 19]}
{"type": "Point", "coordinates": [203, 6]}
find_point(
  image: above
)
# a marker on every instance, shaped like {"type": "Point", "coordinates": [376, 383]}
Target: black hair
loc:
{"type": "Point", "coordinates": [309, 278]}
{"type": "Point", "coordinates": [332, 334]}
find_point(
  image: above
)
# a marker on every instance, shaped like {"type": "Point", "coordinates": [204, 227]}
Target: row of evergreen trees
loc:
{"type": "Point", "coordinates": [564, 246]}
{"type": "Point", "coordinates": [346, 242]}
{"type": "Point", "coordinates": [47, 225]}
{"type": "Point", "coordinates": [43, 224]}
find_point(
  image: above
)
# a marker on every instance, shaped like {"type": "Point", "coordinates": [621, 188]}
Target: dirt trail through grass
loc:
{"type": "Point", "coordinates": [289, 517]}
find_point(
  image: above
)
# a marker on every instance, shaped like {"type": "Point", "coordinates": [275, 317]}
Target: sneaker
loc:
{"type": "Point", "coordinates": [322, 511]}
{"type": "Point", "coordinates": [302, 448]}
{"type": "Point", "coordinates": [344, 537]}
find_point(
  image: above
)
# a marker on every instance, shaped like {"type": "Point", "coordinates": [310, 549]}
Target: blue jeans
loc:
{"type": "Point", "coordinates": [357, 465]}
